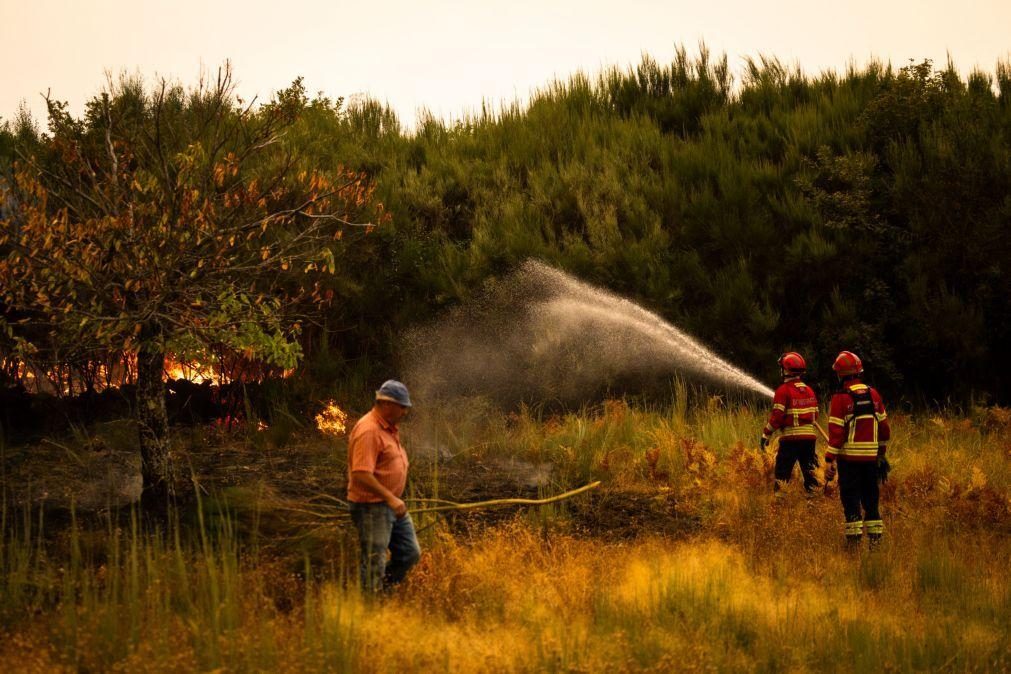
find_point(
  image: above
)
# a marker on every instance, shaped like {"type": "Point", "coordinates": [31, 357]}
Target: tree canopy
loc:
{"type": "Point", "coordinates": [864, 210]}
{"type": "Point", "coordinates": [172, 221]}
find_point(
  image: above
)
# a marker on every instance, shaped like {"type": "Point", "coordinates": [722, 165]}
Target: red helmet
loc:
{"type": "Point", "coordinates": [847, 363]}
{"type": "Point", "coordinates": [793, 363]}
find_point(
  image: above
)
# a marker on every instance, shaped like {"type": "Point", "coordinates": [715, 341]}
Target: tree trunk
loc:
{"type": "Point", "coordinates": [155, 457]}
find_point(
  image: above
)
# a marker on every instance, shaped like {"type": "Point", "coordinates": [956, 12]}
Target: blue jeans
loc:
{"type": "Point", "coordinates": [379, 530]}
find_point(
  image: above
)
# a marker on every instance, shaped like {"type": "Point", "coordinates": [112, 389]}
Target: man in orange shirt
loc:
{"type": "Point", "coordinates": [377, 475]}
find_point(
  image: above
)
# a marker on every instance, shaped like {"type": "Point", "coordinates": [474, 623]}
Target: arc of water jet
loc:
{"type": "Point", "coordinates": [644, 315]}
{"type": "Point", "coordinates": [647, 322]}
{"type": "Point", "coordinates": [682, 348]}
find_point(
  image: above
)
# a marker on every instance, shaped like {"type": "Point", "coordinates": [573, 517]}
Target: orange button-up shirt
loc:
{"type": "Point", "coordinates": [374, 446]}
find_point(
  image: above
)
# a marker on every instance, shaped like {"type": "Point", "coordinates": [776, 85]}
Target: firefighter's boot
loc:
{"type": "Point", "coordinates": [854, 535]}
{"type": "Point", "coordinates": [875, 530]}
{"type": "Point", "coordinates": [778, 489]}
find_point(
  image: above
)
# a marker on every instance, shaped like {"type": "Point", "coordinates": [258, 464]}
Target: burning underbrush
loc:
{"type": "Point", "coordinates": [39, 398]}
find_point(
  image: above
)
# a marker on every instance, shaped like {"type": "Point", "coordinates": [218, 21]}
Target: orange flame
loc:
{"type": "Point", "coordinates": [332, 420]}
{"type": "Point", "coordinates": [120, 369]}
{"type": "Point", "coordinates": [193, 371]}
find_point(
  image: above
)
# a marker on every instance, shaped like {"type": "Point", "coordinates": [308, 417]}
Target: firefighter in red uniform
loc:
{"type": "Point", "coordinates": [794, 412]}
{"type": "Point", "coordinates": [858, 434]}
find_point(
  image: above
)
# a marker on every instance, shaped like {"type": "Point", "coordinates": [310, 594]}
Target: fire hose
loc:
{"type": "Point", "coordinates": [821, 430]}
{"type": "Point", "coordinates": [327, 508]}
{"type": "Point", "coordinates": [451, 505]}
{"type": "Point", "coordinates": [828, 476]}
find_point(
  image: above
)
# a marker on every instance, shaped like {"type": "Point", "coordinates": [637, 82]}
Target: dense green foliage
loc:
{"type": "Point", "coordinates": [865, 210]}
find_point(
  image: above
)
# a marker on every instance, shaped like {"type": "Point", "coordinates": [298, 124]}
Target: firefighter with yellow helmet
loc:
{"type": "Point", "coordinates": [794, 412]}
{"type": "Point", "coordinates": [858, 435]}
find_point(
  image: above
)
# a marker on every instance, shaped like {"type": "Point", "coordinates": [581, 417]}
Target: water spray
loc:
{"type": "Point", "coordinates": [541, 333]}
{"type": "Point", "coordinates": [600, 307]}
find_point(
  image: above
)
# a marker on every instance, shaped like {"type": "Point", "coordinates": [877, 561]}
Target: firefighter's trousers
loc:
{"type": "Point", "coordinates": [796, 451]}
{"type": "Point", "coordinates": [858, 489]}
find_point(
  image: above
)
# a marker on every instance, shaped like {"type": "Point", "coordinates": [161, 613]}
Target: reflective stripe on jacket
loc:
{"type": "Point", "coordinates": [858, 427]}
{"type": "Point", "coordinates": [794, 411]}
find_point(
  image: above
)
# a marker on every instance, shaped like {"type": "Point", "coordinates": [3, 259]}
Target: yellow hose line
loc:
{"type": "Point", "coordinates": [341, 510]}
{"type": "Point", "coordinates": [507, 501]}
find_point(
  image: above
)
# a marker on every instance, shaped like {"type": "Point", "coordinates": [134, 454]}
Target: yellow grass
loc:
{"type": "Point", "coordinates": [751, 584]}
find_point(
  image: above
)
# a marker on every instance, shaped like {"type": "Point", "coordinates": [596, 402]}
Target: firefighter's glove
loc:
{"type": "Point", "coordinates": [830, 471]}
{"type": "Point", "coordinates": [763, 443]}
{"type": "Point", "coordinates": [883, 469]}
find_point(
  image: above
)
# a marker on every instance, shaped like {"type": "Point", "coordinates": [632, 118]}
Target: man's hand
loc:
{"type": "Point", "coordinates": [398, 506]}
{"type": "Point", "coordinates": [368, 481]}
{"type": "Point", "coordinates": [830, 471]}
{"type": "Point", "coordinates": [763, 443]}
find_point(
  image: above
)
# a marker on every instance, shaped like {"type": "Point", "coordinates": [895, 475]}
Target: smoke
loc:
{"type": "Point", "coordinates": [542, 334]}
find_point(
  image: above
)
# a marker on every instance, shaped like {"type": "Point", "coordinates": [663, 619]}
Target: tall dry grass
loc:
{"type": "Point", "coordinates": [752, 584]}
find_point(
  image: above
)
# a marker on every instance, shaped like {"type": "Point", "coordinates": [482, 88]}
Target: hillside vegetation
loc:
{"type": "Point", "coordinates": [865, 210]}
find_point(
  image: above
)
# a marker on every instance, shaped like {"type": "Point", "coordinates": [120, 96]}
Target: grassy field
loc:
{"type": "Point", "coordinates": [682, 560]}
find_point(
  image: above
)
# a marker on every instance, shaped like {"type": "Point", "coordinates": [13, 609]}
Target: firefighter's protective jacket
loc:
{"type": "Point", "coordinates": [857, 424]}
{"type": "Point", "coordinates": [794, 411]}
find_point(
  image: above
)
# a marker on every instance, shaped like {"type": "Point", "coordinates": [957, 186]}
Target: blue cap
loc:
{"type": "Point", "coordinates": [394, 391]}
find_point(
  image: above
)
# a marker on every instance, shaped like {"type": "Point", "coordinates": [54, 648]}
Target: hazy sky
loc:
{"type": "Point", "coordinates": [448, 55]}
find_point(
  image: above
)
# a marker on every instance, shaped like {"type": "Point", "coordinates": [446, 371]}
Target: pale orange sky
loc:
{"type": "Point", "coordinates": [448, 55]}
